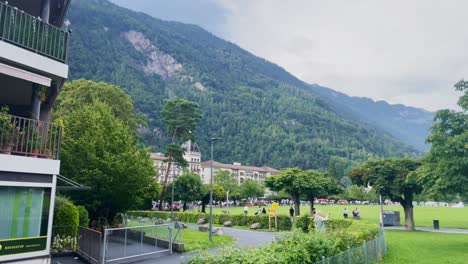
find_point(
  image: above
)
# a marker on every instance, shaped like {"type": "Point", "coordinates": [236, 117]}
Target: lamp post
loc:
{"type": "Point", "coordinates": [172, 194]}
{"type": "Point", "coordinates": [211, 189]}
{"type": "Point", "coordinates": [172, 206]}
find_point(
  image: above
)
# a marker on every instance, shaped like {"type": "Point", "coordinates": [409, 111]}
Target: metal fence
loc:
{"type": "Point", "coordinates": [133, 242]}
{"type": "Point", "coordinates": [32, 33]}
{"type": "Point", "coordinates": [23, 136]}
{"type": "Point", "coordinates": [89, 244]}
{"type": "Point", "coordinates": [370, 252]}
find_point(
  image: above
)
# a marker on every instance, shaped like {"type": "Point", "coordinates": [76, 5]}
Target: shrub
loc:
{"type": "Point", "coordinates": [299, 247]}
{"type": "Point", "coordinates": [67, 215]}
{"type": "Point", "coordinates": [303, 222]}
{"type": "Point", "coordinates": [83, 216]}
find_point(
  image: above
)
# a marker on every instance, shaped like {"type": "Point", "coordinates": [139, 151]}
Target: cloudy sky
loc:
{"type": "Point", "coordinates": [409, 52]}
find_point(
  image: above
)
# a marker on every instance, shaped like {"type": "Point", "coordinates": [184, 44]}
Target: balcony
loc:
{"type": "Point", "coordinates": [28, 137]}
{"type": "Point", "coordinates": [26, 31]}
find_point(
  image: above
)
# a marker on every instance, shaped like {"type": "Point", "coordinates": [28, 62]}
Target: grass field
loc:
{"type": "Point", "coordinates": [426, 247]}
{"type": "Point", "coordinates": [192, 239]}
{"type": "Point", "coordinates": [423, 216]}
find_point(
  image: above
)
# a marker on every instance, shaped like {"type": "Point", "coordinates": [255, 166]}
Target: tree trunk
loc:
{"type": "Point", "coordinates": [185, 206]}
{"type": "Point", "coordinates": [203, 205]}
{"type": "Point", "coordinates": [297, 205]}
{"type": "Point", "coordinates": [409, 217]}
{"type": "Point", "coordinates": [166, 177]}
{"type": "Point", "coordinates": [311, 200]}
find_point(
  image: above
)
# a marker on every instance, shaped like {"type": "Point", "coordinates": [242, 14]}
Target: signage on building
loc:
{"type": "Point", "coordinates": [22, 245]}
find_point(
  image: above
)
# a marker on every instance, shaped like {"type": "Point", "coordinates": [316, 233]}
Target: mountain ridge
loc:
{"type": "Point", "coordinates": [265, 115]}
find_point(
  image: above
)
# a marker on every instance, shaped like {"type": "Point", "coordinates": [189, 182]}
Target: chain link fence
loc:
{"type": "Point", "coordinates": [370, 252]}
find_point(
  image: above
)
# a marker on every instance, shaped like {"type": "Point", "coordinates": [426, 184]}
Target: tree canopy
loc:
{"type": "Point", "coordinates": [396, 179]}
{"type": "Point", "coordinates": [447, 170]}
{"type": "Point", "coordinates": [188, 188]}
{"type": "Point", "coordinates": [180, 117]}
{"type": "Point", "coordinates": [100, 151]}
{"type": "Point", "coordinates": [251, 189]}
{"type": "Point", "coordinates": [298, 183]}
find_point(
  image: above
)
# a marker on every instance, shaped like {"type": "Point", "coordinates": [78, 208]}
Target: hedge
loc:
{"type": "Point", "coordinates": [297, 246]}
{"type": "Point", "coordinates": [67, 215]}
{"type": "Point", "coordinates": [83, 216]}
{"type": "Point", "coordinates": [284, 222]}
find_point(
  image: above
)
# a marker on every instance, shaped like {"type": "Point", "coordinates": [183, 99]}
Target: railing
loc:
{"type": "Point", "coordinates": [89, 244]}
{"type": "Point", "coordinates": [24, 30]}
{"type": "Point", "coordinates": [133, 242]}
{"type": "Point", "coordinates": [370, 252]}
{"type": "Point", "coordinates": [28, 137]}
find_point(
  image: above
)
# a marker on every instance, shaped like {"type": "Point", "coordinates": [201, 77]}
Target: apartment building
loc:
{"type": "Point", "coordinates": [33, 68]}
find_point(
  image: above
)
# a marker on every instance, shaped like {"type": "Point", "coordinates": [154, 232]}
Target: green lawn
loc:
{"type": "Point", "coordinates": [192, 239]}
{"type": "Point", "coordinates": [426, 247]}
{"type": "Point", "coordinates": [423, 216]}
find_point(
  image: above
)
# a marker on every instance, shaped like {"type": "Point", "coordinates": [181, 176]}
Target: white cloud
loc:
{"type": "Point", "coordinates": [409, 52]}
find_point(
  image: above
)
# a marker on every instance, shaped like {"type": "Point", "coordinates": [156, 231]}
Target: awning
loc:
{"type": "Point", "coordinates": [24, 75]}
{"type": "Point", "coordinates": [70, 185]}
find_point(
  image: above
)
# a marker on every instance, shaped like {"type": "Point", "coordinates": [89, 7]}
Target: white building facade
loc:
{"type": "Point", "coordinates": [193, 156]}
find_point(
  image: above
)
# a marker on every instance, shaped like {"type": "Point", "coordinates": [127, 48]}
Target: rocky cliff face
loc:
{"type": "Point", "coordinates": [158, 62]}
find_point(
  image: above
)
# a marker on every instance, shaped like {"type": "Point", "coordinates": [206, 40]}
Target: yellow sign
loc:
{"type": "Point", "coordinates": [275, 205]}
{"type": "Point", "coordinates": [271, 212]}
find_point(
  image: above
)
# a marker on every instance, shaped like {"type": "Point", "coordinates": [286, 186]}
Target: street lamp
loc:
{"type": "Point", "coordinates": [211, 189]}
{"type": "Point", "coordinates": [172, 195]}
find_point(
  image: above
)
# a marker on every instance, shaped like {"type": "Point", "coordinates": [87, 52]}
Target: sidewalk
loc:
{"type": "Point", "coordinates": [430, 229]}
{"type": "Point", "coordinates": [243, 238]}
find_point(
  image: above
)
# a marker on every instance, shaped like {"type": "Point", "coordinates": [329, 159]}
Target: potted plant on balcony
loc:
{"type": "Point", "coordinates": [6, 131]}
{"type": "Point", "coordinates": [33, 144]}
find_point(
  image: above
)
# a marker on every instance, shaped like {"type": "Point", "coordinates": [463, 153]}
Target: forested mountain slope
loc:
{"type": "Point", "coordinates": [409, 124]}
{"type": "Point", "coordinates": [264, 115]}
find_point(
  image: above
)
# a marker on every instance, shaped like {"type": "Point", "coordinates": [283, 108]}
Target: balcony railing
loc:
{"type": "Point", "coordinates": [32, 33]}
{"type": "Point", "coordinates": [28, 137]}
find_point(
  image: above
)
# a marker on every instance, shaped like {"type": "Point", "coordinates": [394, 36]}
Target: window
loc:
{"type": "Point", "coordinates": [24, 216]}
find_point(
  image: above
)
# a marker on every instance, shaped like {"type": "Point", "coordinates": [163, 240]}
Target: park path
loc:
{"type": "Point", "coordinates": [430, 229]}
{"type": "Point", "coordinates": [244, 238]}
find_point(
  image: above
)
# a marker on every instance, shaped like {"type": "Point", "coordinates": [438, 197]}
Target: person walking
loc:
{"type": "Point", "coordinates": [246, 209]}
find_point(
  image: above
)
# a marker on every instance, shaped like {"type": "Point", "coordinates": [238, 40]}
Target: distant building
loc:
{"type": "Point", "coordinates": [193, 156]}
{"type": "Point", "coordinates": [241, 172]}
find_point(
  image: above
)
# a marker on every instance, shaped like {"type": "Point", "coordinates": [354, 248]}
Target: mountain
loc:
{"type": "Point", "coordinates": [409, 124]}
{"type": "Point", "coordinates": [264, 115]}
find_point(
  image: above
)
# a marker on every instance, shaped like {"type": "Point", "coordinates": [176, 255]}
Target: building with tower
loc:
{"type": "Point", "coordinates": [193, 156]}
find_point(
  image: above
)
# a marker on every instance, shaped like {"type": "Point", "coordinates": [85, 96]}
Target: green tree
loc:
{"type": "Point", "coordinates": [218, 194]}
{"type": "Point", "coordinates": [180, 117]}
{"type": "Point", "coordinates": [81, 92]}
{"type": "Point", "coordinates": [228, 181]}
{"type": "Point", "coordinates": [447, 168]}
{"type": "Point", "coordinates": [396, 179]}
{"type": "Point", "coordinates": [314, 184]}
{"type": "Point", "coordinates": [100, 151]}
{"type": "Point", "coordinates": [284, 181]}
{"type": "Point", "coordinates": [358, 193]}
{"type": "Point", "coordinates": [187, 188]}
{"type": "Point", "coordinates": [251, 189]}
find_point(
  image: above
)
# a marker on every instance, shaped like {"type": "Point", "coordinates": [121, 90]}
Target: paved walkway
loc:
{"type": "Point", "coordinates": [243, 237]}
{"type": "Point", "coordinates": [430, 229]}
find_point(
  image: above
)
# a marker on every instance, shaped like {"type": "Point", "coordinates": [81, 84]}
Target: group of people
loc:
{"type": "Point", "coordinates": [356, 213]}
{"type": "Point", "coordinates": [259, 211]}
